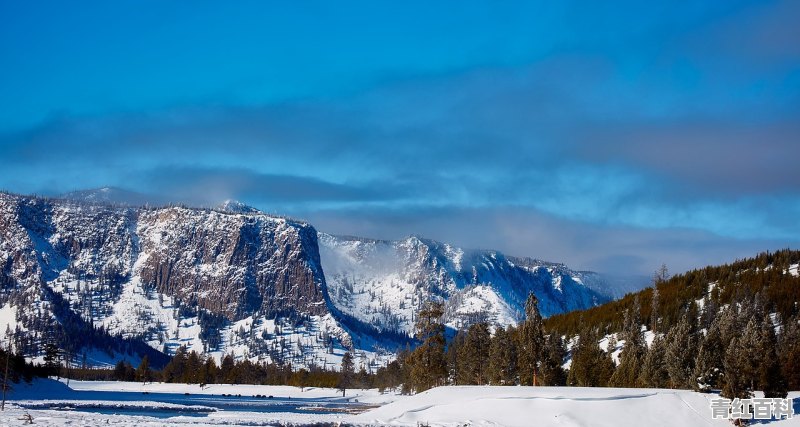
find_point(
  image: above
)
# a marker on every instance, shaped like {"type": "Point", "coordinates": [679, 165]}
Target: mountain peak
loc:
{"type": "Point", "coordinates": [235, 206]}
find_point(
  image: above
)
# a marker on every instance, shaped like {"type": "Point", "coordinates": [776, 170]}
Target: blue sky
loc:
{"type": "Point", "coordinates": [608, 135]}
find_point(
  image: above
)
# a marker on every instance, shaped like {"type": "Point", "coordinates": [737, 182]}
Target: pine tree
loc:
{"type": "Point", "coordinates": [119, 371]}
{"type": "Point", "coordinates": [751, 356]}
{"type": "Point", "coordinates": [531, 342]}
{"type": "Point", "coordinates": [51, 362]}
{"type": "Point", "coordinates": [225, 373]}
{"type": "Point", "coordinates": [193, 369]}
{"type": "Point", "coordinates": [736, 385]}
{"type": "Point", "coordinates": [633, 351]}
{"type": "Point", "coordinates": [475, 353]}
{"type": "Point", "coordinates": [347, 372]}
{"type": "Point", "coordinates": [363, 379]}
{"type": "Point", "coordinates": [590, 366]}
{"type": "Point", "coordinates": [710, 363]}
{"type": "Point", "coordinates": [728, 325]}
{"type": "Point", "coordinates": [654, 371]}
{"type": "Point", "coordinates": [790, 352]}
{"type": "Point", "coordinates": [553, 374]}
{"type": "Point", "coordinates": [455, 366]}
{"type": "Point", "coordinates": [612, 344]}
{"type": "Point", "coordinates": [654, 317]}
{"type": "Point", "coordinates": [428, 364]}
{"type": "Point", "coordinates": [680, 354]}
{"type": "Point", "coordinates": [771, 380]}
{"type": "Point", "coordinates": [176, 368]}
{"type": "Point", "coordinates": [503, 358]}
{"type": "Point", "coordinates": [143, 372]}
{"type": "Point", "coordinates": [210, 371]}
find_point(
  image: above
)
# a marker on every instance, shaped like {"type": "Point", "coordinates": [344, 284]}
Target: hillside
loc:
{"type": "Point", "coordinates": [773, 276]}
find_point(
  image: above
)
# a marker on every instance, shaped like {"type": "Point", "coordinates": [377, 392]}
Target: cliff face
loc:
{"type": "Point", "coordinates": [227, 266]}
{"type": "Point", "coordinates": [231, 264]}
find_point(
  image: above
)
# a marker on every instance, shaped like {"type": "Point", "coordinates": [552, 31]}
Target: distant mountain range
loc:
{"type": "Point", "coordinates": [105, 275]}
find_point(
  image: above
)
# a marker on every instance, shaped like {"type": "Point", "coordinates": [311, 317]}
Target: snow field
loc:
{"type": "Point", "coordinates": [551, 406]}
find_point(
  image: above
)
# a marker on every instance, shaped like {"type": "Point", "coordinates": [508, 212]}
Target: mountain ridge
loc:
{"type": "Point", "coordinates": [259, 286]}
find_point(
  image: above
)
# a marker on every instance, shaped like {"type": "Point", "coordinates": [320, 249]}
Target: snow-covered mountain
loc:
{"type": "Point", "coordinates": [107, 279]}
{"type": "Point", "coordinates": [383, 283]}
{"type": "Point", "coordinates": [235, 206]}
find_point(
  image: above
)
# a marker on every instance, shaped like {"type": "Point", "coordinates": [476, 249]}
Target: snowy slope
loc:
{"type": "Point", "coordinates": [534, 406]}
{"type": "Point", "coordinates": [383, 283]}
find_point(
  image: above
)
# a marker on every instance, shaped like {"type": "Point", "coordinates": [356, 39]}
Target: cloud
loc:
{"type": "Point", "coordinates": [208, 186]}
{"type": "Point", "coordinates": [492, 136]}
{"type": "Point", "coordinates": [707, 157]}
{"type": "Point", "coordinates": [611, 148]}
{"type": "Point", "coordinates": [765, 33]}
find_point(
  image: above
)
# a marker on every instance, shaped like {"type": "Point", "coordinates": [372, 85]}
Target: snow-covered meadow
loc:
{"type": "Point", "coordinates": [107, 403]}
{"type": "Point", "coordinates": [552, 406]}
{"type": "Point", "coordinates": [51, 402]}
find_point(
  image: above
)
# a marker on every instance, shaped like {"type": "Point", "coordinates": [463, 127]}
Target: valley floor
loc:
{"type": "Point", "coordinates": [50, 402]}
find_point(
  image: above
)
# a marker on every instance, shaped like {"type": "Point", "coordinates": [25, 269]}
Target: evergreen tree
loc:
{"type": "Point", "coordinates": [771, 380]}
{"type": "Point", "coordinates": [428, 364]}
{"type": "Point", "coordinates": [710, 363]}
{"type": "Point", "coordinates": [612, 345]}
{"type": "Point", "coordinates": [751, 357]}
{"type": "Point", "coordinates": [143, 372]}
{"type": "Point", "coordinates": [680, 354]}
{"type": "Point", "coordinates": [119, 371]}
{"type": "Point", "coordinates": [210, 371]}
{"type": "Point", "coordinates": [530, 342]}
{"type": "Point", "coordinates": [553, 374]}
{"type": "Point", "coordinates": [654, 316]}
{"type": "Point", "coordinates": [729, 326]}
{"type": "Point", "coordinates": [790, 353]}
{"type": "Point", "coordinates": [51, 362]}
{"type": "Point", "coordinates": [455, 366]}
{"type": "Point", "coordinates": [736, 385]}
{"type": "Point", "coordinates": [474, 354]}
{"type": "Point", "coordinates": [225, 374]}
{"type": "Point", "coordinates": [503, 358]}
{"type": "Point", "coordinates": [654, 371]}
{"type": "Point", "coordinates": [347, 372]}
{"type": "Point", "coordinates": [633, 350]}
{"type": "Point", "coordinates": [389, 377]}
{"type": "Point", "coordinates": [406, 359]}
{"type": "Point", "coordinates": [591, 366]}
{"type": "Point", "coordinates": [175, 369]}
{"type": "Point", "coordinates": [363, 379]}
{"type": "Point", "coordinates": [193, 371]}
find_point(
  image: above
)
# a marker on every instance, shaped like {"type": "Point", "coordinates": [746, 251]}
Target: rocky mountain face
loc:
{"type": "Point", "coordinates": [383, 283]}
{"type": "Point", "coordinates": [106, 282]}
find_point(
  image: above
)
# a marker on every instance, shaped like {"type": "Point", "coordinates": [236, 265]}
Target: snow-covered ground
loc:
{"type": "Point", "coordinates": [552, 406]}
{"type": "Point", "coordinates": [127, 403]}
{"type": "Point", "coordinates": [133, 404]}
